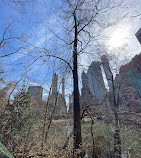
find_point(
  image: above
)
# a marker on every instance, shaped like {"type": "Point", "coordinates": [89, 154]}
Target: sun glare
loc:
{"type": "Point", "coordinates": [118, 38]}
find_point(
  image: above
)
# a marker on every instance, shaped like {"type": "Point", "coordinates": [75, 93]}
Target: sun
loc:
{"type": "Point", "coordinates": [118, 38]}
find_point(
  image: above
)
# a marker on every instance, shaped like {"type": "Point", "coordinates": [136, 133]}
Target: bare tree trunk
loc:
{"type": "Point", "coordinates": [117, 141]}
{"type": "Point", "coordinates": [51, 117]}
{"type": "Point", "coordinates": [114, 103]}
{"type": "Point", "coordinates": [76, 103]}
{"type": "Point", "coordinates": [45, 120]}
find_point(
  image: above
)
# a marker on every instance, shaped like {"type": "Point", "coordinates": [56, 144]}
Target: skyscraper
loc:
{"type": "Point", "coordinates": [85, 85]}
{"type": "Point", "coordinates": [55, 84]}
{"type": "Point", "coordinates": [36, 93]}
{"type": "Point", "coordinates": [63, 87]}
{"type": "Point", "coordinates": [96, 82]}
{"type": "Point", "coordinates": [107, 70]}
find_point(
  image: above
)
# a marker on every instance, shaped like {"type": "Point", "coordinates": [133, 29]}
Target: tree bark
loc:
{"type": "Point", "coordinates": [76, 103]}
{"type": "Point", "coordinates": [117, 140]}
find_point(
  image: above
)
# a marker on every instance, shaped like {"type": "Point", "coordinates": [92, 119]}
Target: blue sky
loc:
{"type": "Point", "coordinates": [30, 25]}
{"type": "Point", "coordinates": [33, 21]}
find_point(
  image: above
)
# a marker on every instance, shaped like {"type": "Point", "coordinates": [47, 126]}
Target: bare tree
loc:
{"type": "Point", "coordinates": [83, 23]}
{"type": "Point", "coordinates": [7, 38]}
{"type": "Point", "coordinates": [86, 20]}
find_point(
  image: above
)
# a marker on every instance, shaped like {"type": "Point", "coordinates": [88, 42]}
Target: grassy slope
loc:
{"type": "Point", "coordinates": [130, 137]}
